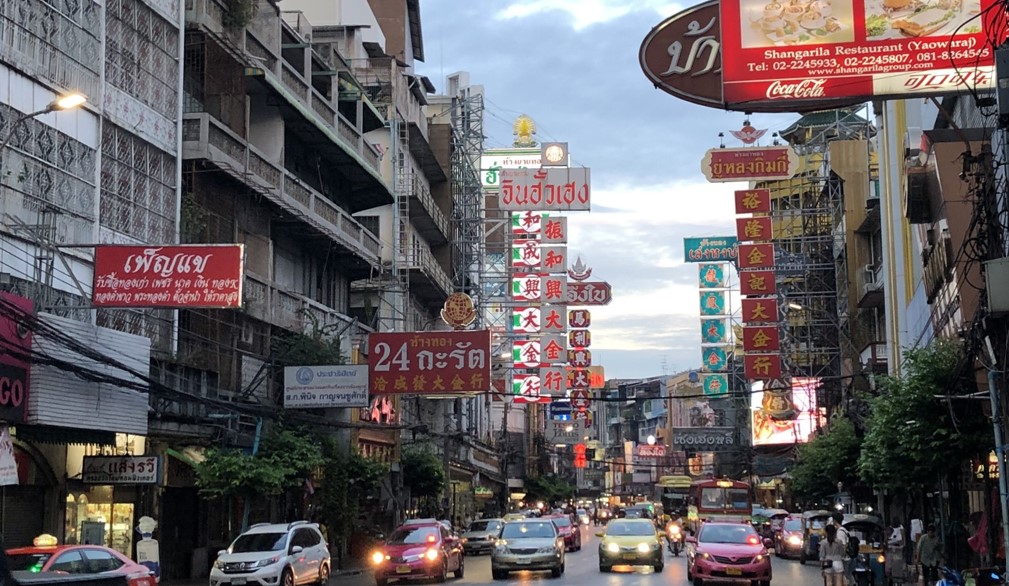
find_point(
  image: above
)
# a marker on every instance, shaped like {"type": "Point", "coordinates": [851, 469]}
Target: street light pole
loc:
{"type": "Point", "coordinates": [66, 102]}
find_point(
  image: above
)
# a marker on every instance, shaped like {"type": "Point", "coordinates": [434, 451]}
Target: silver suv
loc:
{"type": "Point", "coordinates": [281, 554]}
{"type": "Point", "coordinates": [532, 544]}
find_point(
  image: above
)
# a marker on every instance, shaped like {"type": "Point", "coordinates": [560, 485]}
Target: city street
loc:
{"type": "Point", "coordinates": [582, 570]}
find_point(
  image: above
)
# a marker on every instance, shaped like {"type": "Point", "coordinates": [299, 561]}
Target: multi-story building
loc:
{"type": "Point", "coordinates": [107, 172]}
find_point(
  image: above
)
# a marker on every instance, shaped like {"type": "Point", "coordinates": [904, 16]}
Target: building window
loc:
{"type": "Point", "coordinates": [138, 187]}
{"type": "Point", "coordinates": [141, 55]}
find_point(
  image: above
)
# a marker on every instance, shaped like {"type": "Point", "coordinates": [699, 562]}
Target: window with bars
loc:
{"type": "Point", "coordinates": [138, 187]}
{"type": "Point", "coordinates": [142, 55]}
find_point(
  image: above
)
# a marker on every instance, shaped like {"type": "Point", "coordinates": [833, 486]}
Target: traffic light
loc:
{"type": "Point", "coordinates": [580, 453]}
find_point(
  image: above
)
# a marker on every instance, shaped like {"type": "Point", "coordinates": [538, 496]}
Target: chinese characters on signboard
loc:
{"type": "Point", "coordinates": [429, 362]}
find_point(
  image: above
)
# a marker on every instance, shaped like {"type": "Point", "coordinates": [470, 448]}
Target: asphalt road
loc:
{"type": "Point", "coordinates": [582, 569]}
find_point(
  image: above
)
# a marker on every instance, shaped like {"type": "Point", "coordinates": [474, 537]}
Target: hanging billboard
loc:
{"type": "Point", "coordinates": [546, 188]}
{"type": "Point", "coordinates": [780, 52]}
{"type": "Point", "coordinates": [429, 362]}
{"type": "Point", "coordinates": [185, 275]}
{"type": "Point", "coordinates": [770, 431]}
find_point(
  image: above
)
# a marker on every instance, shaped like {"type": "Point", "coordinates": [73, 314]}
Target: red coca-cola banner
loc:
{"type": "Point", "coordinates": [429, 362]}
{"type": "Point", "coordinates": [757, 310]}
{"type": "Point", "coordinates": [187, 275]}
{"type": "Point", "coordinates": [757, 283]}
{"type": "Point", "coordinates": [779, 52]}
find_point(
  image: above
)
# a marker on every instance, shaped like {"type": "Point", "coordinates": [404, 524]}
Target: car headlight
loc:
{"type": "Point", "coordinates": [219, 564]}
{"type": "Point", "coordinates": [758, 558]}
{"type": "Point", "coordinates": [703, 555]}
{"type": "Point", "coordinates": [267, 562]}
{"type": "Point", "coordinates": [612, 547]}
{"type": "Point", "coordinates": [643, 547]}
{"type": "Point", "coordinates": [377, 557]}
{"type": "Point", "coordinates": [794, 540]}
{"type": "Point", "coordinates": [431, 554]}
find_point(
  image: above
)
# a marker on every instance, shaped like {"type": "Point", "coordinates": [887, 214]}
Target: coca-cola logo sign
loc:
{"type": "Point", "coordinates": [682, 56]}
{"type": "Point", "coordinates": [800, 90]}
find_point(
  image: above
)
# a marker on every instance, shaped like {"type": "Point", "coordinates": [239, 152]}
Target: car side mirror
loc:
{"type": "Point", "coordinates": [691, 539]}
{"type": "Point", "coordinates": [296, 549]}
{"type": "Point", "coordinates": [768, 543]}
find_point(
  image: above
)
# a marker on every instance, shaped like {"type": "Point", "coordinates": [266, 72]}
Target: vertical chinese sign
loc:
{"type": "Point", "coordinates": [713, 279]}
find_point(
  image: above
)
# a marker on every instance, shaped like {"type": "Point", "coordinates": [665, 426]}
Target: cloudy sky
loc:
{"type": "Point", "coordinates": [572, 65]}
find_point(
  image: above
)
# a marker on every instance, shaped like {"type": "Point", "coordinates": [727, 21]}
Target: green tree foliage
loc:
{"type": "Point", "coordinates": [347, 480]}
{"type": "Point", "coordinates": [913, 438]}
{"type": "Point", "coordinates": [548, 488]}
{"type": "Point", "coordinates": [827, 459]}
{"type": "Point", "coordinates": [297, 349]}
{"type": "Point", "coordinates": [423, 472]}
{"type": "Point", "coordinates": [285, 458]}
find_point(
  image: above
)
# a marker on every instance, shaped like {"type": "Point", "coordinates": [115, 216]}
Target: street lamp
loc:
{"type": "Point", "coordinates": [64, 102]}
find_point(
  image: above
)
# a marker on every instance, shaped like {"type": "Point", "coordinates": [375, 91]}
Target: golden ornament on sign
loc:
{"type": "Point", "coordinates": [524, 129]}
{"type": "Point", "coordinates": [458, 311]}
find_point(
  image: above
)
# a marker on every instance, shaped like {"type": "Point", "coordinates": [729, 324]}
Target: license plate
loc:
{"type": "Point", "coordinates": [402, 569]}
{"type": "Point", "coordinates": [522, 561]}
{"type": "Point", "coordinates": [238, 581]}
{"type": "Point", "coordinates": [733, 572]}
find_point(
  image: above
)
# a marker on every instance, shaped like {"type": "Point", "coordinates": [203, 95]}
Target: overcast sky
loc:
{"type": "Point", "coordinates": [572, 65]}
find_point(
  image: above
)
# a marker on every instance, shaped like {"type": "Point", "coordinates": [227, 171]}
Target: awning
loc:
{"type": "Point", "coordinates": [190, 456]}
{"type": "Point", "coordinates": [50, 434]}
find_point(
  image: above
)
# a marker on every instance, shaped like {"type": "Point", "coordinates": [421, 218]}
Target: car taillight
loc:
{"type": "Point", "coordinates": [140, 580]}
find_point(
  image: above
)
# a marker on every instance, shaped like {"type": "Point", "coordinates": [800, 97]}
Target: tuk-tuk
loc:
{"type": "Point", "coordinates": [813, 524]}
{"type": "Point", "coordinates": [869, 529]}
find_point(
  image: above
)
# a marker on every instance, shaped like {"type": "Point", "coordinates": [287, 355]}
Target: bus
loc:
{"type": "Point", "coordinates": [718, 500]}
{"type": "Point", "coordinates": [673, 492]}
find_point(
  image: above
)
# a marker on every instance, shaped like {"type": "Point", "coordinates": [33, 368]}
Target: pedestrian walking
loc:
{"type": "Point", "coordinates": [894, 566]}
{"type": "Point", "coordinates": [837, 519]}
{"type": "Point", "coordinates": [929, 554]}
{"type": "Point", "coordinates": [832, 558]}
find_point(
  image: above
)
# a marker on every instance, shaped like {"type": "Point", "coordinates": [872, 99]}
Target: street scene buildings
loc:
{"type": "Point", "coordinates": [256, 267]}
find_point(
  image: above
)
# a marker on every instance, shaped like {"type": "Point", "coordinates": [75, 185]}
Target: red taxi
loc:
{"type": "Point", "coordinates": [418, 550]}
{"type": "Point", "coordinates": [570, 531]}
{"type": "Point", "coordinates": [728, 551]}
{"type": "Point", "coordinates": [47, 556]}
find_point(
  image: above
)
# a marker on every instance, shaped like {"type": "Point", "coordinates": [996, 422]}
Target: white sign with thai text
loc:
{"type": "Point", "coordinates": [326, 386]}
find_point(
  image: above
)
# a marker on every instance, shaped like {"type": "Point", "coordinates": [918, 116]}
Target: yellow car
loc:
{"type": "Point", "coordinates": [631, 542]}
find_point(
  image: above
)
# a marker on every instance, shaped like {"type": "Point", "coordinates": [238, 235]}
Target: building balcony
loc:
{"type": "Point", "coordinates": [426, 216]}
{"type": "Point", "coordinates": [869, 281]}
{"type": "Point", "coordinates": [871, 222]}
{"type": "Point", "coordinates": [274, 305]}
{"type": "Point", "coordinates": [207, 139]}
{"type": "Point", "coordinates": [427, 279]}
{"type": "Point", "coordinates": [874, 357]}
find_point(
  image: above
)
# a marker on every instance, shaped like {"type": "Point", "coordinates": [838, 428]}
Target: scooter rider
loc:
{"type": "Point", "coordinates": [674, 536]}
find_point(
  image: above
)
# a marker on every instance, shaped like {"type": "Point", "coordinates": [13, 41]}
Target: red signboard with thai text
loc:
{"type": "Point", "coordinates": [756, 256]}
{"type": "Point", "coordinates": [429, 362]}
{"type": "Point", "coordinates": [761, 338]}
{"type": "Point", "coordinates": [749, 163]}
{"type": "Point", "coordinates": [753, 201]}
{"type": "Point", "coordinates": [762, 366]}
{"type": "Point", "coordinates": [759, 310]}
{"type": "Point", "coordinates": [15, 356]}
{"type": "Point", "coordinates": [755, 229]}
{"type": "Point", "coordinates": [781, 52]}
{"type": "Point", "coordinates": [757, 283]}
{"type": "Point", "coordinates": [589, 293]}
{"type": "Point", "coordinates": [187, 275]}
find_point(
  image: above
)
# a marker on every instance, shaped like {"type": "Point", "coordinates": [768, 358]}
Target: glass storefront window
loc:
{"type": "Point", "coordinates": [92, 517]}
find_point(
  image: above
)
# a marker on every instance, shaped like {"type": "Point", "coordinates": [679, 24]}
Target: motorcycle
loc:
{"type": "Point", "coordinates": [950, 577]}
{"type": "Point", "coordinates": [674, 539]}
{"type": "Point", "coordinates": [861, 570]}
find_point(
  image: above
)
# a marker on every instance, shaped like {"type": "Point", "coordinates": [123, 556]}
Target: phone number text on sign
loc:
{"type": "Point", "coordinates": [429, 362]}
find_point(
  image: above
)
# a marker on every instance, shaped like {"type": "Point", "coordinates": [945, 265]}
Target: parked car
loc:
{"type": "Point", "coordinates": [532, 544]}
{"type": "Point", "coordinates": [419, 551]}
{"type": "Point", "coordinates": [481, 536]}
{"type": "Point", "coordinates": [570, 531]}
{"type": "Point", "coordinates": [274, 554]}
{"type": "Point", "coordinates": [788, 541]}
{"type": "Point", "coordinates": [632, 542]}
{"type": "Point", "coordinates": [45, 555]}
{"type": "Point", "coordinates": [728, 551]}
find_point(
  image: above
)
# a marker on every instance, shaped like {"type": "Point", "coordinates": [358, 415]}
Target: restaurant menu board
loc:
{"type": "Point", "coordinates": [804, 50]}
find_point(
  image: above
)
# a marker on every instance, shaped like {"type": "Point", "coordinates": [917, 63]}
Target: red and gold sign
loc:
{"type": "Point", "coordinates": [458, 311]}
{"type": "Point", "coordinates": [579, 318]}
{"type": "Point", "coordinates": [757, 283]}
{"type": "Point", "coordinates": [579, 338]}
{"type": "Point", "coordinates": [749, 163]}
{"type": "Point", "coordinates": [579, 378]}
{"type": "Point", "coordinates": [755, 229]}
{"type": "Point", "coordinates": [756, 256]}
{"type": "Point", "coordinates": [761, 338]}
{"type": "Point", "coordinates": [762, 366]}
{"type": "Point", "coordinates": [759, 310]}
{"type": "Point", "coordinates": [753, 201]}
{"type": "Point", "coordinates": [429, 362]}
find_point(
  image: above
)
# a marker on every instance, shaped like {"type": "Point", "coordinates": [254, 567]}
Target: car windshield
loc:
{"type": "Point", "coordinates": [793, 525]}
{"type": "Point", "coordinates": [818, 522]}
{"type": "Point", "coordinates": [481, 526]}
{"type": "Point", "coordinates": [617, 528]}
{"type": "Point", "coordinates": [259, 542]}
{"type": "Point", "coordinates": [562, 521]}
{"type": "Point", "coordinates": [728, 534]}
{"type": "Point", "coordinates": [28, 562]}
{"type": "Point", "coordinates": [528, 530]}
{"type": "Point", "coordinates": [414, 535]}
{"type": "Point", "coordinates": [582, 512]}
